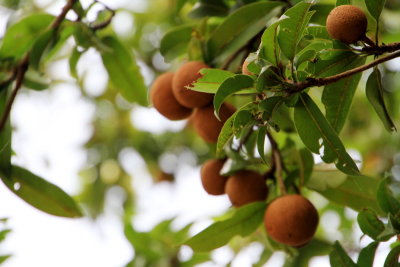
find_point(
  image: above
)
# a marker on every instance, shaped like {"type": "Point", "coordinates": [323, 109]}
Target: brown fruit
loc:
{"type": "Point", "coordinates": [213, 182]}
{"type": "Point", "coordinates": [347, 23]}
{"type": "Point", "coordinates": [207, 125]}
{"type": "Point", "coordinates": [291, 220]}
{"type": "Point", "coordinates": [164, 100]}
{"type": "Point", "coordinates": [245, 70]}
{"type": "Point", "coordinates": [185, 76]}
{"type": "Point", "coordinates": [245, 187]}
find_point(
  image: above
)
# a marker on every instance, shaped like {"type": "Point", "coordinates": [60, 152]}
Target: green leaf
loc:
{"type": "Point", "coordinates": [240, 27]}
{"type": "Point", "coordinates": [228, 130]}
{"type": "Point", "coordinates": [36, 81]}
{"type": "Point", "coordinates": [370, 223]}
{"type": "Point", "coordinates": [244, 222]}
{"type": "Point", "coordinates": [291, 29]}
{"type": "Point", "coordinates": [175, 42]}
{"type": "Point", "coordinates": [229, 87]}
{"type": "Point", "coordinates": [73, 62]}
{"type": "Point", "coordinates": [317, 134]}
{"type": "Point", "coordinates": [339, 257]}
{"type": "Point", "coordinates": [356, 192]}
{"type": "Point", "coordinates": [269, 105]}
{"type": "Point", "coordinates": [20, 37]}
{"type": "Point", "coordinates": [124, 72]}
{"type": "Point", "coordinates": [39, 47]}
{"type": "Point", "coordinates": [367, 255]}
{"type": "Point", "coordinates": [392, 259]}
{"type": "Point", "coordinates": [374, 91]}
{"type": "Point", "coordinates": [210, 80]}
{"type": "Point", "coordinates": [337, 97]}
{"type": "Point", "coordinates": [179, 5]}
{"type": "Point", "coordinates": [306, 165]}
{"type": "Point", "coordinates": [270, 50]}
{"type": "Point", "coordinates": [343, 2]}
{"type": "Point", "coordinates": [5, 137]}
{"type": "Point", "coordinates": [262, 132]}
{"type": "Point", "coordinates": [375, 8]}
{"type": "Point", "coordinates": [386, 200]}
{"type": "Point", "coordinates": [209, 8]}
{"type": "Point", "coordinates": [40, 193]}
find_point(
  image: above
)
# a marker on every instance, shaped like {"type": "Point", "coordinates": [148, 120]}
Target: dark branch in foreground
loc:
{"type": "Point", "coordinates": [311, 82]}
{"type": "Point", "coordinates": [20, 70]}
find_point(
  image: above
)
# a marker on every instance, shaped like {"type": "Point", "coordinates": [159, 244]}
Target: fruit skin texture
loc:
{"type": "Point", "coordinates": [245, 187]}
{"type": "Point", "coordinates": [207, 125]}
{"type": "Point", "coordinates": [164, 100]}
{"type": "Point", "coordinates": [291, 220]}
{"type": "Point", "coordinates": [347, 23]}
{"type": "Point", "coordinates": [185, 76]}
{"type": "Point", "coordinates": [213, 182]}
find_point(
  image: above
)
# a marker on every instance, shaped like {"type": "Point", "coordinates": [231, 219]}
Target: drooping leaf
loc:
{"type": "Point", "coordinates": [239, 27]}
{"type": "Point", "coordinates": [374, 91]}
{"type": "Point", "coordinates": [124, 72]}
{"type": "Point", "coordinates": [356, 192]}
{"type": "Point", "coordinates": [270, 50]}
{"type": "Point", "coordinates": [244, 222]}
{"type": "Point", "coordinates": [262, 132]}
{"type": "Point", "coordinates": [387, 202]}
{"type": "Point", "coordinates": [367, 255]}
{"type": "Point", "coordinates": [306, 165]}
{"type": "Point", "coordinates": [20, 37]}
{"type": "Point", "coordinates": [210, 80]}
{"type": "Point", "coordinates": [319, 136]}
{"type": "Point", "coordinates": [339, 257]}
{"type": "Point", "coordinates": [40, 193]}
{"type": "Point", "coordinates": [392, 259]}
{"type": "Point", "coordinates": [175, 41]}
{"type": "Point", "coordinates": [5, 137]}
{"type": "Point", "coordinates": [229, 87]}
{"type": "Point", "coordinates": [375, 8]}
{"type": "Point", "coordinates": [370, 223]}
{"type": "Point", "coordinates": [39, 47]}
{"type": "Point", "coordinates": [337, 97]}
{"type": "Point", "coordinates": [291, 29]}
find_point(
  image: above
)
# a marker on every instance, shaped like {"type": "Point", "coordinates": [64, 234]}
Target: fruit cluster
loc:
{"type": "Point", "coordinates": [171, 97]}
{"type": "Point", "coordinates": [289, 219]}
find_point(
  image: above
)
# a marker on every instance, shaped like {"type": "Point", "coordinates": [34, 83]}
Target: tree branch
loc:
{"type": "Point", "coordinates": [20, 70]}
{"type": "Point", "coordinates": [310, 82]}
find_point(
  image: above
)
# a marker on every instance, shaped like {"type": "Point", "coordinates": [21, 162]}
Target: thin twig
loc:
{"type": "Point", "coordinates": [106, 22]}
{"type": "Point", "coordinates": [310, 82]}
{"type": "Point", "coordinates": [278, 163]}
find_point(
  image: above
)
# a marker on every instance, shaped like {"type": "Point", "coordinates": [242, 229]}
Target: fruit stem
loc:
{"type": "Point", "coordinates": [277, 163]}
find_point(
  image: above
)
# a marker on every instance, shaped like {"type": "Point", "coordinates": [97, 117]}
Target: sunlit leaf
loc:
{"type": "Point", "coordinates": [270, 50]}
{"type": "Point", "coordinates": [244, 222]}
{"type": "Point", "coordinates": [175, 41]}
{"type": "Point", "coordinates": [20, 37]}
{"type": "Point", "coordinates": [370, 223]}
{"type": "Point", "coordinates": [124, 72]}
{"type": "Point", "coordinates": [40, 193]}
{"type": "Point", "coordinates": [367, 255]}
{"type": "Point", "coordinates": [291, 29]}
{"type": "Point", "coordinates": [229, 87]}
{"type": "Point", "coordinates": [319, 136]}
{"type": "Point", "coordinates": [339, 257]}
{"type": "Point", "coordinates": [210, 80]}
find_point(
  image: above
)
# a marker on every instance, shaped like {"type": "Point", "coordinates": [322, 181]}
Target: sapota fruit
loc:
{"type": "Point", "coordinates": [164, 100]}
{"type": "Point", "coordinates": [347, 23]}
{"type": "Point", "coordinates": [186, 75]}
{"type": "Point", "coordinates": [207, 125]}
{"type": "Point", "coordinates": [291, 220]}
{"type": "Point", "coordinates": [245, 187]}
{"type": "Point", "coordinates": [213, 183]}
